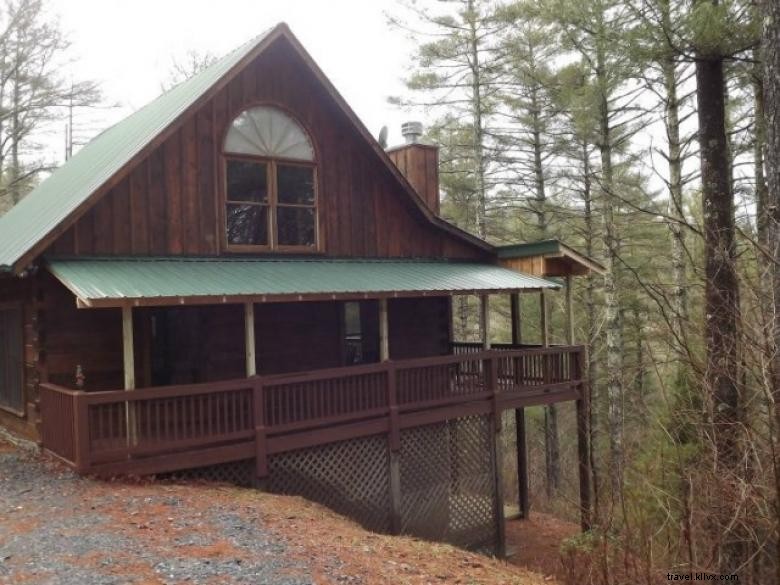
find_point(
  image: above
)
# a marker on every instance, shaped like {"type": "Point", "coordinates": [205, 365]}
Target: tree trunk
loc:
{"type": "Point", "coordinates": [593, 325]}
{"type": "Point", "coordinates": [612, 321]}
{"type": "Point", "coordinates": [479, 131]}
{"type": "Point", "coordinates": [679, 269]}
{"type": "Point", "coordinates": [721, 292]}
{"type": "Point", "coordinates": [771, 77]}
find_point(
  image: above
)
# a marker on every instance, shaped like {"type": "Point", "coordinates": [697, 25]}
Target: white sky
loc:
{"type": "Point", "coordinates": [129, 47]}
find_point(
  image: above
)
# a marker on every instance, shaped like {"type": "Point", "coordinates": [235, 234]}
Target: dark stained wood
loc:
{"type": "Point", "coordinates": [293, 410]}
{"type": "Point", "coordinates": [170, 203]}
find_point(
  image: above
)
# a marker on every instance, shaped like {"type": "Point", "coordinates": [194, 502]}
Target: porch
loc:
{"type": "Point", "coordinates": [401, 428]}
{"type": "Point", "coordinates": [168, 428]}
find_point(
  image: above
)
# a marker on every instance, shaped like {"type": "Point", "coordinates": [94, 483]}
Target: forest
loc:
{"type": "Point", "coordinates": [645, 134]}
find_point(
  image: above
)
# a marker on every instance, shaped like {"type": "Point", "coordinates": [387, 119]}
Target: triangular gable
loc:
{"type": "Point", "coordinates": [74, 187]}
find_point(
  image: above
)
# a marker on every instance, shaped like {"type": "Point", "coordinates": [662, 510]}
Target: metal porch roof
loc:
{"type": "Point", "coordinates": [150, 281]}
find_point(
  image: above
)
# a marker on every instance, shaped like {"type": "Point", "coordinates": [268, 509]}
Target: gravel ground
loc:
{"type": "Point", "coordinates": [59, 528]}
{"type": "Point", "coordinates": [56, 529]}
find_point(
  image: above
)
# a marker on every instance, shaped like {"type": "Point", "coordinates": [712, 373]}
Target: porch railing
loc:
{"type": "Point", "coordinates": [167, 428]}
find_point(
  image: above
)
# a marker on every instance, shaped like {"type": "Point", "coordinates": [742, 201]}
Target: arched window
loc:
{"type": "Point", "coordinates": [270, 183]}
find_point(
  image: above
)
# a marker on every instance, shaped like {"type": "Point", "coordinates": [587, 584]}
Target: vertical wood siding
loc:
{"type": "Point", "coordinates": [169, 204]}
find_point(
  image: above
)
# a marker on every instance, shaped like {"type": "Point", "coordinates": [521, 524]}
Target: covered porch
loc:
{"type": "Point", "coordinates": [376, 365]}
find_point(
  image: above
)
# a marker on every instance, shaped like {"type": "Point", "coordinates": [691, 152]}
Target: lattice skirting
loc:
{"type": "Point", "coordinates": [448, 486]}
{"type": "Point", "coordinates": [448, 490]}
{"type": "Point", "coordinates": [351, 477]}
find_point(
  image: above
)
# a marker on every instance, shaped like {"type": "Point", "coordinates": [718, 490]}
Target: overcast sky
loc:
{"type": "Point", "coordinates": [128, 46]}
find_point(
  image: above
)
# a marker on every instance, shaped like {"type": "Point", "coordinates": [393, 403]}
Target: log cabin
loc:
{"type": "Point", "coordinates": [238, 281]}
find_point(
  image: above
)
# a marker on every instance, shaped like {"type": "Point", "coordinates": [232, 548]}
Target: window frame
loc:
{"type": "Point", "coordinates": [273, 200]}
{"type": "Point", "coordinates": [19, 307]}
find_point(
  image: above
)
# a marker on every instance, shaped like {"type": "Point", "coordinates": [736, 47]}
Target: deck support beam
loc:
{"type": "Point", "coordinates": [582, 406]}
{"type": "Point", "coordinates": [520, 435]}
{"type": "Point", "coordinates": [249, 339]}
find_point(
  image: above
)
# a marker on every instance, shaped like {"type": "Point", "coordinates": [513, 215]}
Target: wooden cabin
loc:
{"type": "Point", "coordinates": [238, 281]}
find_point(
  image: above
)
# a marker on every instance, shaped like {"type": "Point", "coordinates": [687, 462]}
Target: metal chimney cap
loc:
{"type": "Point", "coordinates": [412, 131]}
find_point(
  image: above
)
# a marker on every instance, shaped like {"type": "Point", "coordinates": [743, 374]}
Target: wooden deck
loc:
{"type": "Point", "coordinates": [154, 430]}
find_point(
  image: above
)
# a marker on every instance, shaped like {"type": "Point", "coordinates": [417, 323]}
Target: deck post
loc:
{"type": "Point", "coordinates": [394, 436]}
{"type": "Point", "coordinates": [128, 361]}
{"type": "Point", "coordinates": [522, 447]}
{"type": "Point", "coordinates": [569, 312]}
{"type": "Point", "coordinates": [128, 355]}
{"type": "Point", "coordinates": [516, 317]}
{"type": "Point", "coordinates": [384, 332]}
{"type": "Point", "coordinates": [583, 446]}
{"type": "Point", "coordinates": [484, 320]}
{"type": "Point", "coordinates": [249, 339]}
{"type": "Point", "coordinates": [544, 326]}
{"type": "Point", "coordinates": [261, 448]}
{"type": "Point", "coordinates": [491, 371]}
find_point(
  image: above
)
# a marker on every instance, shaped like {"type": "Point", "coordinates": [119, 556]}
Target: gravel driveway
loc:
{"type": "Point", "coordinates": [59, 528]}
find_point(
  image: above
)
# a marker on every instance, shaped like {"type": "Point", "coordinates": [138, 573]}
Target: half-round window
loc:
{"type": "Point", "coordinates": [270, 183]}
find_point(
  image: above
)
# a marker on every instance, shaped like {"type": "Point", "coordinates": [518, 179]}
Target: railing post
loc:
{"type": "Point", "coordinates": [81, 431]}
{"type": "Point", "coordinates": [261, 447]}
{"type": "Point", "coordinates": [394, 448]}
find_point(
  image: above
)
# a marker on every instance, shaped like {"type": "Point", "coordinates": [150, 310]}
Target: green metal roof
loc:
{"type": "Point", "coordinates": [529, 249]}
{"type": "Point", "coordinates": [144, 281]}
{"type": "Point", "coordinates": [35, 216]}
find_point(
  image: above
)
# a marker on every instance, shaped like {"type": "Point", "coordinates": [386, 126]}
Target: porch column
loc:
{"type": "Point", "coordinates": [516, 316]}
{"type": "Point", "coordinates": [522, 447]}
{"type": "Point", "coordinates": [249, 339]}
{"type": "Point", "coordinates": [384, 335]}
{"type": "Point", "coordinates": [128, 360]}
{"type": "Point", "coordinates": [543, 324]}
{"type": "Point", "coordinates": [569, 312]}
{"type": "Point", "coordinates": [484, 322]}
{"type": "Point", "coordinates": [128, 356]}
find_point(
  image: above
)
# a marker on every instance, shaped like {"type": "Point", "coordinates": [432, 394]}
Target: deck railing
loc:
{"type": "Point", "coordinates": [175, 427]}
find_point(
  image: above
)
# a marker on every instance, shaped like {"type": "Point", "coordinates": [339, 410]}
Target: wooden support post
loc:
{"type": "Point", "coordinates": [583, 446]}
{"type": "Point", "coordinates": [543, 324]}
{"type": "Point", "coordinates": [484, 323]}
{"type": "Point", "coordinates": [491, 369]}
{"type": "Point", "coordinates": [569, 312]}
{"type": "Point", "coordinates": [522, 465]}
{"type": "Point", "coordinates": [584, 460]}
{"type": "Point", "coordinates": [81, 429]}
{"type": "Point", "coordinates": [261, 448]}
{"type": "Point", "coordinates": [128, 360]}
{"type": "Point", "coordinates": [249, 339]}
{"type": "Point", "coordinates": [384, 332]}
{"type": "Point", "coordinates": [522, 447]}
{"type": "Point", "coordinates": [394, 451]}
{"type": "Point", "coordinates": [517, 318]}
{"type": "Point", "coordinates": [128, 354]}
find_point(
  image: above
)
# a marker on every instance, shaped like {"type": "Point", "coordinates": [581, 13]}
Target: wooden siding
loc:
{"type": "Point", "coordinates": [24, 293]}
{"type": "Point", "coordinates": [169, 203]}
{"type": "Point", "coordinates": [206, 343]}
